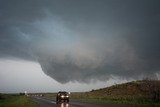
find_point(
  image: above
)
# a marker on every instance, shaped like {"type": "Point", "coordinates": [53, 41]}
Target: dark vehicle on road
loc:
{"type": "Point", "coordinates": [62, 96]}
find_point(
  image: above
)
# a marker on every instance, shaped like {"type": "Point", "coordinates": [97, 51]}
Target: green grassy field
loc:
{"type": "Point", "coordinates": [13, 100]}
{"type": "Point", "coordinates": [144, 93]}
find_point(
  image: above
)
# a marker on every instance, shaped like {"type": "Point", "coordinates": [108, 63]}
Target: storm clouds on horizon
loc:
{"type": "Point", "coordinates": [79, 40]}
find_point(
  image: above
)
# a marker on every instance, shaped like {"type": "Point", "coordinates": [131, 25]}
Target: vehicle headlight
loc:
{"type": "Point", "coordinates": [62, 96]}
{"type": "Point", "coordinates": [67, 96]}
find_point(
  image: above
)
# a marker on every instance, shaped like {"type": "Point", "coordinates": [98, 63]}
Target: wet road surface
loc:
{"type": "Point", "coordinates": [50, 103]}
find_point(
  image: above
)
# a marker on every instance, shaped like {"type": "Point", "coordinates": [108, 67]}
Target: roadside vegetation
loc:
{"type": "Point", "coordinates": [15, 100]}
{"type": "Point", "coordinates": [144, 93]}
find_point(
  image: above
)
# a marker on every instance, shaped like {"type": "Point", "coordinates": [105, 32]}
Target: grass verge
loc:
{"type": "Point", "coordinates": [136, 101]}
{"type": "Point", "coordinates": [8, 100]}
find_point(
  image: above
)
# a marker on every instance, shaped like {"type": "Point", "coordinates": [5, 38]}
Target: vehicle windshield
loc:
{"type": "Point", "coordinates": [63, 93]}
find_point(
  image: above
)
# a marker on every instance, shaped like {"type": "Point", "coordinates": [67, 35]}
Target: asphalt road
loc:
{"type": "Point", "coordinates": [49, 103]}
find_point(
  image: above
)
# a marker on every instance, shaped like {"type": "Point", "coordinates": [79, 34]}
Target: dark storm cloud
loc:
{"type": "Point", "coordinates": [83, 40]}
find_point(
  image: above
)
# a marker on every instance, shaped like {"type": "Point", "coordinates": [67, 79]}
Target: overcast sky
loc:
{"type": "Point", "coordinates": [48, 45]}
